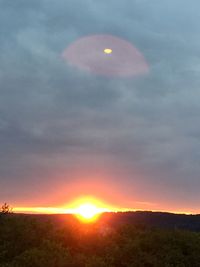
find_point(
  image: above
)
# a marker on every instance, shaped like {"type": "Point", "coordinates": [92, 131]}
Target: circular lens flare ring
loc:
{"type": "Point", "coordinates": [88, 53]}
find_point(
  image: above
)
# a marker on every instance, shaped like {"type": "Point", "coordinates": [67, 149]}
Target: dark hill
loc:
{"type": "Point", "coordinates": [138, 218]}
{"type": "Point", "coordinates": [155, 219]}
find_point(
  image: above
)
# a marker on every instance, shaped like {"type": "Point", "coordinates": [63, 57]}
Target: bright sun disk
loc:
{"type": "Point", "coordinates": [87, 208]}
{"type": "Point", "coordinates": [87, 211]}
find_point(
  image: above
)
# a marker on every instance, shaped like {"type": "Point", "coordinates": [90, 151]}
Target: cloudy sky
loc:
{"type": "Point", "coordinates": [64, 132]}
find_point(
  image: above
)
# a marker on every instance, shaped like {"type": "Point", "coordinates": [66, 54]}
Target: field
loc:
{"type": "Point", "coordinates": [133, 239]}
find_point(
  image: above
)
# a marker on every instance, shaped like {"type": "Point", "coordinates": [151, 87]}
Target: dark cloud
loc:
{"type": "Point", "coordinates": [55, 118]}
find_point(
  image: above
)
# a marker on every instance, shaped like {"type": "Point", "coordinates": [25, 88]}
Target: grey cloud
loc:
{"type": "Point", "coordinates": [53, 115]}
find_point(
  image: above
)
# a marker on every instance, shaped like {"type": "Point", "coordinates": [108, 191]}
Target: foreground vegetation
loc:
{"type": "Point", "coordinates": [35, 241]}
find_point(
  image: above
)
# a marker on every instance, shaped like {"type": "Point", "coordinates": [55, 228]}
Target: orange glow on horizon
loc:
{"type": "Point", "coordinates": [85, 207]}
{"type": "Point", "coordinates": [88, 212]}
{"type": "Point", "coordinates": [63, 210]}
{"type": "Point", "coordinates": [88, 209]}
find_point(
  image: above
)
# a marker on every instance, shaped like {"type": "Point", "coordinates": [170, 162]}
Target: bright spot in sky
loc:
{"type": "Point", "coordinates": [87, 211]}
{"type": "Point", "coordinates": [107, 51]}
{"type": "Point", "coordinates": [88, 53]}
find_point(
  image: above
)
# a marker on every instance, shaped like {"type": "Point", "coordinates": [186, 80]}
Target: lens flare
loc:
{"type": "Point", "coordinates": [88, 54]}
{"type": "Point", "coordinates": [108, 51]}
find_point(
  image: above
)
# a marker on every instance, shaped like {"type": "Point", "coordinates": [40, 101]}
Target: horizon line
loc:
{"type": "Point", "coordinates": [66, 211]}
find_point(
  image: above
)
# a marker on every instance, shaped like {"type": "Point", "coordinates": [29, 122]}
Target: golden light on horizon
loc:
{"type": "Point", "coordinates": [88, 209]}
{"type": "Point", "coordinates": [108, 51]}
{"type": "Point", "coordinates": [82, 207]}
{"type": "Point", "coordinates": [87, 212]}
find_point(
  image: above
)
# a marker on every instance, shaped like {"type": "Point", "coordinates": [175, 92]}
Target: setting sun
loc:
{"type": "Point", "coordinates": [87, 211]}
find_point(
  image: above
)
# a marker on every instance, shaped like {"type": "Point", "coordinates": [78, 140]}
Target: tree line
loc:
{"type": "Point", "coordinates": [39, 241]}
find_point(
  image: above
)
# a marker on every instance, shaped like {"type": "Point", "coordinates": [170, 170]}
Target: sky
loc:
{"type": "Point", "coordinates": [133, 142]}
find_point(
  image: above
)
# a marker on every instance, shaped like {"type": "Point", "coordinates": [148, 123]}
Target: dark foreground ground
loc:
{"type": "Point", "coordinates": [132, 239]}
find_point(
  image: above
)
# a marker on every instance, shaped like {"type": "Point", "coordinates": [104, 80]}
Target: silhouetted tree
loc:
{"type": "Point", "coordinates": [5, 208]}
